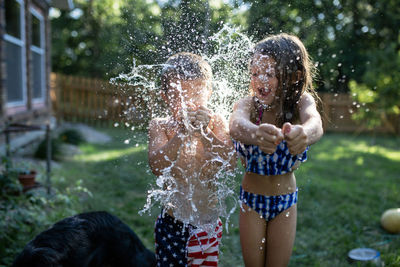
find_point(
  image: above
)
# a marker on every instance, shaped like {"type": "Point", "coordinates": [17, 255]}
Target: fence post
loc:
{"type": "Point", "coordinates": [48, 158]}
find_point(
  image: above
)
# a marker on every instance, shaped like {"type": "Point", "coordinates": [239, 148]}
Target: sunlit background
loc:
{"type": "Point", "coordinates": [72, 65]}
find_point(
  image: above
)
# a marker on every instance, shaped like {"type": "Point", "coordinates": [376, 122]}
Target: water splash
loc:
{"type": "Point", "coordinates": [229, 58]}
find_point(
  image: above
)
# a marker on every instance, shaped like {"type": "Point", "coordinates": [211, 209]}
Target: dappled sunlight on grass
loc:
{"type": "Point", "coordinates": [345, 185]}
{"type": "Point", "coordinates": [391, 154]}
{"type": "Point", "coordinates": [109, 154]}
{"type": "Point", "coordinates": [347, 148]}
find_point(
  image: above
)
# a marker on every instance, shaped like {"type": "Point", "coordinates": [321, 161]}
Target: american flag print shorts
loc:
{"type": "Point", "coordinates": [268, 206]}
{"type": "Point", "coordinates": [178, 244]}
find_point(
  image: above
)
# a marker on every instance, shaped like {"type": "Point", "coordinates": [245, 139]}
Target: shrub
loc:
{"type": "Point", "coordinates": [24, 216]}
{"type": "Point", "coordinates": [9, 185]}
{"type": "Point", "coordinates": [41, 151]}
{"type": "Point", "coordinates": [72, 136]}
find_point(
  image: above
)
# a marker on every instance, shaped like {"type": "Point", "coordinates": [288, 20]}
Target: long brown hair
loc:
{"type": "Point", "coordinates": [291, 59]}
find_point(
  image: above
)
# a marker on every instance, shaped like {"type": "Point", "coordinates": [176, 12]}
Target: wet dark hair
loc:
{"type": "Point", "coordinates": [291, 56]}
{"type": "Point", "coordinates": [185, 66]}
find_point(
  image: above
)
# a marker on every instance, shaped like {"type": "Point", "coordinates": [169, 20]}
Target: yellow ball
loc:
{"type": "Point", "coordinates": [390, 220]}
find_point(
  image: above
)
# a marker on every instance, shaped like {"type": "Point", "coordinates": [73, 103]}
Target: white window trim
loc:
{"type": "Point", "coordinates": [20, 43]}
{"type": "Point", "coordinates": [40, 50]}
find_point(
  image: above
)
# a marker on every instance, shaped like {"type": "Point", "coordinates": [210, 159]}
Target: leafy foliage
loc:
{"type": "Point", "coordinates": [41, 151]}
{"type": "Point", "coordinates": [378, 92]}
{"type": "Point", "coordinates": [24, 216]}
{"type": "Point", "coordinates": [102, 38]}
{"type": "Point", "coordinates": [355, 44]}
{"type": "Point", "coordinates": [72, 136]}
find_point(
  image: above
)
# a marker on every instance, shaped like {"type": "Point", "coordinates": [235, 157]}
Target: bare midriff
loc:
{"type": "Point", "coordinates": [269, 185]}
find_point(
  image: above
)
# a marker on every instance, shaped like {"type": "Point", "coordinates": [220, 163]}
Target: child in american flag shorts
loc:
{"type": "Point", "coordinates": [189, 149]}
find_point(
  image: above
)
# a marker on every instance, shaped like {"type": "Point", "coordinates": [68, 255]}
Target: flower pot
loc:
{"type": "Point", "coordinates": [27, 180]}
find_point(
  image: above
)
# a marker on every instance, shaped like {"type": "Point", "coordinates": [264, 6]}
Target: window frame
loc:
{"type": "Point", "coordinates": [42, 51]}
{"type": "Point", "coordinates": [21, 43]}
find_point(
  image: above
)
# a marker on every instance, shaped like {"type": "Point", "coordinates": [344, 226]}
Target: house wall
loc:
{"type": "Point", "coordinates": [29, 112]}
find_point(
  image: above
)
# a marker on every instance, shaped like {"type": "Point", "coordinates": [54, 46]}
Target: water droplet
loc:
{"type": "Point", "coordinates": [231, 53]}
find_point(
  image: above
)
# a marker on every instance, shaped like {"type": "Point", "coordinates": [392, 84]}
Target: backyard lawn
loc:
{"type": "Point", "coordinates": [344, 187]}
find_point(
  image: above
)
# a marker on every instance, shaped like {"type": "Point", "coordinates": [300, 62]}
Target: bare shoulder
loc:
{"type": "Point", "coordinates": [158, 122]}
{"type": "Point", "coordinates": [308, 107]}
{"type": "Point", "coordinates": [306, 99]}
{"type": "Point", "coordinates": [244, 103]}
{"type": "Point", "coordinates": [157, 125]}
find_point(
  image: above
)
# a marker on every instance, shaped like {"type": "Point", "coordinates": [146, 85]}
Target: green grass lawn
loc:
{"type": "Point", "coordinates": [344, 187]}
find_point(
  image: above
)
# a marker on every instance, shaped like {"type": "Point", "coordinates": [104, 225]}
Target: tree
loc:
{"type": "Point", "coordinates": [187, 25]}
{"type": "Point", "coordinates": [100, 38]}
{"type": "Point", "coordinates": [354, 43]}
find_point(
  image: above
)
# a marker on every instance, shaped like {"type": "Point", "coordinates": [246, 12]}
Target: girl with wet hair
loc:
{"type": "Point", "coordinates": [272, 130]}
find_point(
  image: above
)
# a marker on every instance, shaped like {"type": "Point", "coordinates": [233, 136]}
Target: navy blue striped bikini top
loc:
{"type": "Point", "coordinates": [279, 162]}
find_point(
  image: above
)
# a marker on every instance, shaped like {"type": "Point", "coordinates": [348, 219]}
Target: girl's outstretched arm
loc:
{"type": "Point", "coordinates": [240, 127]}
{"type": "Point", "coordinates": [310, 119]}
{"type": "Point", "coordinates": [310, 130]}
{"type": "Point", "coordinates": [266, 136]}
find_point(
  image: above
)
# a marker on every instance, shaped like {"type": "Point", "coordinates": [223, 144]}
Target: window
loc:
{"type": "Point", "coordinates": [15, 57]}
{"type": "Point", "coordinates": [38, 56]}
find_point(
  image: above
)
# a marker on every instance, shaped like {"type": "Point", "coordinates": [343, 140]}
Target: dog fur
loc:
{"type": "Point", "coordinates": [93, 239]}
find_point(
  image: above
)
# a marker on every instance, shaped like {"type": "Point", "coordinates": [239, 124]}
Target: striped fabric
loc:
{"type": "Point", "coordinates": [279, 162]}
{"type": "Point", "coordinates": [268, 206]}
{"type": "Point", "coordinates": [178, 244]}
{"type": "Point", "coordinates": [203, 250]}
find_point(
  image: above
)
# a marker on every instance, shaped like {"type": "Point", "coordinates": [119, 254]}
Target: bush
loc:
{"type": "Point", "coordinates": [24, 216]}
{"type": "Point", "coordinates": [72, 136]}
{"type": "Point", "coordinates": [9, 185]}
{"type": "Point", "coordinates": [41, 151]}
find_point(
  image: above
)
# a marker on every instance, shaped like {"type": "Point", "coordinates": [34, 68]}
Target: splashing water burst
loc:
{"type": "Point", "coordinates": [229, 59]}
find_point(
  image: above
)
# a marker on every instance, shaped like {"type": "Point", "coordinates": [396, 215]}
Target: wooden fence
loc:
{"type": "Point", "coordinates": [94, 101]}
{"type": "Point", "coordinates": [98, 102]}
